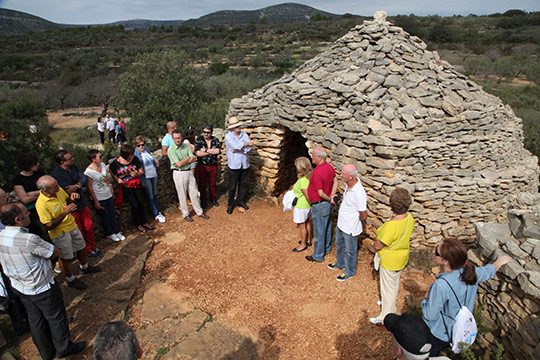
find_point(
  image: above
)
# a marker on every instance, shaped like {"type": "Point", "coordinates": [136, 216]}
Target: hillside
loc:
{"type": "Point", "coordinates": [288, 12]}
{"type": "Point", "coordinates": [15, 22]}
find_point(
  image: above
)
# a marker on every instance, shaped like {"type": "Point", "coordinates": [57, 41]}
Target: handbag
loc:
{"type": "Point", "coordinates": [377, 258]}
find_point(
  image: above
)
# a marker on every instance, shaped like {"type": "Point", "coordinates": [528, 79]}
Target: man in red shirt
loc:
{"type": "Point", "coordinates": [321, 191]}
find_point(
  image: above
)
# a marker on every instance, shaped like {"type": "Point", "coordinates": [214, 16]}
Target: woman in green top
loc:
{"type": "Point", "coordinates": [302, 209]}
{"type": "Point", "coordinates": [392, 247]}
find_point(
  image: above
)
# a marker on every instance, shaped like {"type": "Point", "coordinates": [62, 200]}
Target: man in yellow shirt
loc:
{"type": "Point", "coordinates": [54, 208]}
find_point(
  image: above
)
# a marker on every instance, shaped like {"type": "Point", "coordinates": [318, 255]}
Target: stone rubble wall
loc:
{"type": "Point", "coordinates": [379, 99]}
{"type": "Point", "coordinates": [511, 301]}
{"type": "Point", "coordinates": [166, 197]}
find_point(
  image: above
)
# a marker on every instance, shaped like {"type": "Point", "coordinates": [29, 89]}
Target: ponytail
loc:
{"type": "Point", "coordinates": [468, 276]}
{"type": "Point", "coordinates": [453, 251]}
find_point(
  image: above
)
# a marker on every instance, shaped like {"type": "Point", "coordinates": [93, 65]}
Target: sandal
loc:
{"type": "Point", "coordinates": [141, 230]}
{"type": "Point", "coordinates": [148, 227]}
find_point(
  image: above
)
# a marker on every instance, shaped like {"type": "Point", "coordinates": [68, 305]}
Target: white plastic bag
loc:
{"type": "Point", "coordinates": [288, 199]}
{"type": "Point", "coordinates": [464, 330]}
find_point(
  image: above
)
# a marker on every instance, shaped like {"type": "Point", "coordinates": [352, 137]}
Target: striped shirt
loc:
{"type": "Point", "coordinates": [25, 260]}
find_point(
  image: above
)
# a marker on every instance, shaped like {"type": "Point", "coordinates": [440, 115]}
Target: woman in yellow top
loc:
{"type": "Point", "coordinates": [392, 247]}
{"type": "Point", "coordinates": [302, 209]}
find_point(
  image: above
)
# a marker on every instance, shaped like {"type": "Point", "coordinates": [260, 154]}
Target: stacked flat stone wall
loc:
{"type": "Point", "coordinates": [379, 99]}
{"type": "Point", "coordinates": [511, 301]}
{"type": "Point", "coordinates": [166, 197]}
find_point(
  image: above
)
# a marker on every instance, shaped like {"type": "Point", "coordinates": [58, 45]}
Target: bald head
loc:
{"type": "Point", "coordinates": [171, 125]}
{"type": "Point", "coordinates": [350, 170]}
{"type": "Point", "coordinates": [3, 197]}
{"type": "Point", "coordinates": [48, 185]}
{"type": "Point", "coordinates": [14, 214]}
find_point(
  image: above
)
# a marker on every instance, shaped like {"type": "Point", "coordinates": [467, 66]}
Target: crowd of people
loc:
{"type": "Point", "coordinates": [115, 129]}
{"type": "Point", "coordinates": [51, 224]}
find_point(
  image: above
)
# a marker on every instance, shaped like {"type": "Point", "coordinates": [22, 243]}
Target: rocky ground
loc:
{"type": "Point", "coordinates": [230, 287]}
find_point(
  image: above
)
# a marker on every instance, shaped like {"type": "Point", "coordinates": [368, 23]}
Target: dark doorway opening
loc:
{"type": "Point", "coordinates": [293, 145]}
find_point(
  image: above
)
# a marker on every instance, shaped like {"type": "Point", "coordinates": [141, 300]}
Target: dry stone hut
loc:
{"type": "Point", "coordinates": [380, 99]}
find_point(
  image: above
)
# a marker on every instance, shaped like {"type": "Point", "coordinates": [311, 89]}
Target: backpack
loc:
{"type": "Point", "coordinates": [464, 330]}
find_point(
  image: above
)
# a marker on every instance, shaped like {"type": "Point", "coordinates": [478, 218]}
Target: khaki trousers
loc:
{"type": "Point", "coordinates": [389, 282]}
{"type": "Point", "coordinates": [184, 181]}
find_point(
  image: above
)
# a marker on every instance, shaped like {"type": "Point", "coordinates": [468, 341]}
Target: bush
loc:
{"type": "Point", "coordinates": [15, 136]}
{"type": "Point", "coordinates": [158, 88]}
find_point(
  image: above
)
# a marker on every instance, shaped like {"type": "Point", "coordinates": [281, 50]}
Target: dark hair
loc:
{"type": "Point", "coordinates": [9, 212]}
{"type": "Point", "coordinates": [176, 131]}
{"type": "Point", "coordinates": [453, 251]}
{"type": "Point", "coordinates": [92, 154]}
{"type": "Point", "coordinates": [60, 156]}
{"type": "Point", "coordinates": [99, 119]}
{"type": "Point", "coordinates": [26, 160]}
{"type": "Point", "coordinates": [126, 151]}
{"type": "Point", "coordinates": [116, 341]}
{"type": "Point", "coordinates": [400, 200]}
{"type": "Point", "coordinates": [209, 127]}
{"type": "Point", "coordinates": [189, 134]}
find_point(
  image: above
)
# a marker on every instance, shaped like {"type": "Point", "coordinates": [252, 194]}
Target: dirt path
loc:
{"type": "Point", "coordinates": [76, 117]}
{"type": "Point", "coordinates": [240, 269]}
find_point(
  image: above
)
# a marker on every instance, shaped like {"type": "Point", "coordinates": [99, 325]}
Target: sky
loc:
{"type": "Point", "coordinates": [107, 11]}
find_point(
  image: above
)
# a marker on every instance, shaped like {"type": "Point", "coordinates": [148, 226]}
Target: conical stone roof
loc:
{"type": "Point", "coordinates": [379, 99]}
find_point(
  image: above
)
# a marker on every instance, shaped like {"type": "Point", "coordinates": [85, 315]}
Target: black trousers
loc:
{"type": "Point", "coordinates": [48, 321]}
{"type": "Point", "coordinates": [237, 180]}
{"type": "Point", "coordinates": [136, 199]}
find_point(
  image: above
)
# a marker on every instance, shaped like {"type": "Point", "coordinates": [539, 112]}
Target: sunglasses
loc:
{"type": "Point", "coordinates": [437, 252]}
{"type": "Point", "coordinates": [207, 132]}
{"type": "Point", "coordinates": [141, 145]}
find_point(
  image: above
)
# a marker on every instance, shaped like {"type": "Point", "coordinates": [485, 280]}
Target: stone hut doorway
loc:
{"type": "Point", "coordinates": [293, 145]}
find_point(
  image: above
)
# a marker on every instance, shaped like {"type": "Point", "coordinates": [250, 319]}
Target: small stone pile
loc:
{"type": "Point", "coordinates": [379, 99]}
{"type": "Point", "coordinates": [511, 301]}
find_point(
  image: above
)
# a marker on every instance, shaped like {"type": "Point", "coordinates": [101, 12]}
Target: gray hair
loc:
{"type": "Point", "coordinates": [10, 212]}
{"type": "Point", "coordinates": [350, 169]}
{"type": "Point", "coordinates": [44, 182]}
{"type": "Point", "coordinates": [116, 341]}
{"type": "Point", "coordinates": [320, 152]}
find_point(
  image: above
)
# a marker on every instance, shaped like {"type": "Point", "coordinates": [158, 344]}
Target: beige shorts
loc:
{"type": "Point", "coordinates": [69, 243]}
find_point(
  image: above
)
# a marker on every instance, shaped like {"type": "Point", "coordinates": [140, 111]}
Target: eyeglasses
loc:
{"type": "Point", "coordinates": [69, 159]}
{"type": "Point", "coordinates": [207, 132]}
{"type": "Point", "coordinates": [140, 145]}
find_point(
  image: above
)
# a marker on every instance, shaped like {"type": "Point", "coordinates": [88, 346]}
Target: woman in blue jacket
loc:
{"type": "Point", "coordinates": [461, 277]}
{"type": "Point", "coordinates": [149, 179]}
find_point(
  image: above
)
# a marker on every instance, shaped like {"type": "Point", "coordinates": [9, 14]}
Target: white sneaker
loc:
{"type": "Point", "coordinates": [160, 218]}
{"type": "Point", "coordinates": [120, 236]}
{"type": "Point", "coordinates": [376, 321]}
{"type": "Point", "coordinates": [114, 237]}
{"type": "Point", "coordinates": [57, 269]}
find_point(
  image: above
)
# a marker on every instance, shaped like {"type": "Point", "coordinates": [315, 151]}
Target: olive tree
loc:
{"type": "Point", "coordinates": [159, 87]}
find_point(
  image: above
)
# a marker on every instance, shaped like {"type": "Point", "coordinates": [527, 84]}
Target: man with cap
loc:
{"type": "Point", "coordinates": [238, 146]}
{"type": "Point", "coordinates": [411, 337]}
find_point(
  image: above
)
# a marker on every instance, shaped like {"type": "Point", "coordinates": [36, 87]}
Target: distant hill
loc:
{"type": "Point", "coordinates": [15, 22]}
{"type": "Point", "coordinates": [288, 12]}
{"type": "Point", "coordinates": [146, 24]}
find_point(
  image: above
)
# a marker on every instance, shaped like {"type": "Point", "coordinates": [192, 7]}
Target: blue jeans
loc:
{"type": "Point", "coordinates": [150, 187]}
{"type": "Point", "coordinates": [347, 252]}
{"type": "Point", "coordinates": [322, 229]}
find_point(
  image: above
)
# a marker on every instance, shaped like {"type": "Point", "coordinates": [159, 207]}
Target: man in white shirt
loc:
{"type": "Point", "coordinates": [111, 127]}
{"type": "Point", "coordinates": [25, 259]}
{"type": "Point", "coordinates": [352, 213]}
